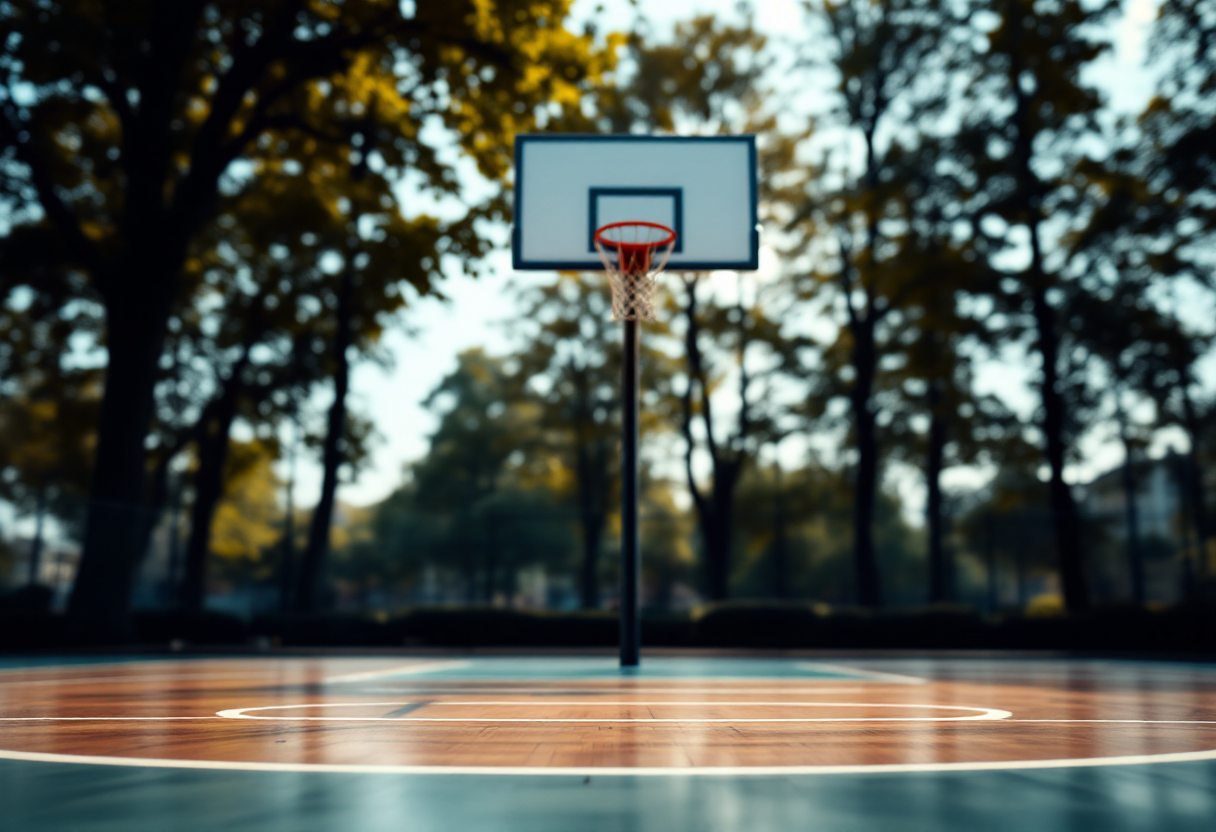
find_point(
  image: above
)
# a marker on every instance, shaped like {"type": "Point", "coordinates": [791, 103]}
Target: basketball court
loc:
{"type": "Point", "coordinates": [537, 743]}
{"type": "Point", "coordinates": [610, 742]}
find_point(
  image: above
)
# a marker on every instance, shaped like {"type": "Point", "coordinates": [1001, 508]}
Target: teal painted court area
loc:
{"type": "Point", "coordinates": [40, 797]}
{"type": "Point", "coordinates": [29, 662]}
{"type": "Point", "coordinates": [570, 669]}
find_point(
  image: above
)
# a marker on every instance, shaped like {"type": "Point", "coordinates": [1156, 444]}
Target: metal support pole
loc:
{"type": "Point", "coordinates": [631, 624]}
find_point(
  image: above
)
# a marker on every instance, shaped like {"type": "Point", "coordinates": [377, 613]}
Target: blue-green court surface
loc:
{"type": "Point", "coordinates": [512, 668]}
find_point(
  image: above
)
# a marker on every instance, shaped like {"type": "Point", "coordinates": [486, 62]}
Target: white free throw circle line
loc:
{"type": "Point", "coordinates": [973, 713]}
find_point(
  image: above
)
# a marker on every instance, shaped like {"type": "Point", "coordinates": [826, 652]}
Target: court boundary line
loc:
{"type": "Point", "coordinates": [586, 771]}
{"type": "Point", "coordinates": [592, 771]}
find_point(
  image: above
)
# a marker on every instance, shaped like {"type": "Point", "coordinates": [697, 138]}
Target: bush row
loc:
{"type": "Point", "coordinates": [1189, 629]}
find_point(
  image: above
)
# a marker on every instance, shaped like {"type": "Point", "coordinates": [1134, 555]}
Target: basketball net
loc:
{"type": "Point", "coordinates": [628, 250]}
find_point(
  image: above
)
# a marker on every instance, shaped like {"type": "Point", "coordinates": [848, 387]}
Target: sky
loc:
{"type": "Point", "coordinates": [476, 311]}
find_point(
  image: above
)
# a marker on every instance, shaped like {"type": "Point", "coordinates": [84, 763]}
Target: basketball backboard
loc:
{"type": "Point", "coordinates": [702, 187]}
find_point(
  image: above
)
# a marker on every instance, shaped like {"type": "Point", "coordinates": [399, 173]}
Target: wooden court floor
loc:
{"type": "Point", "coordinates": [527, 743]}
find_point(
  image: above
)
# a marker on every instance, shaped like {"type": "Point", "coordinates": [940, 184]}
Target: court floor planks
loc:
{"type": "Point", "coordinates": [537, 743]}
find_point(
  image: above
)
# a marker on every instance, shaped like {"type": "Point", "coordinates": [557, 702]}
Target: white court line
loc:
{"type": "Point", "coordinates": [403, 670]}
{"type": "Point", "coordinates": [615, 771]}
{"type": "Point", "coordinates": [98, 718]}
{"type": "Point", "coordinates": [1003, 721]}
{"type": "Point", "coordinates": [1125, 721]}
{"type": "Point", "coordinates": [976, 714]}
{"type": "Point", "coordinates": [876, 675]}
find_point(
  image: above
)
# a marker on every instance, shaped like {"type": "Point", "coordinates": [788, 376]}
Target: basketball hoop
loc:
{"type": "Point", "coordinates": [627, 250]}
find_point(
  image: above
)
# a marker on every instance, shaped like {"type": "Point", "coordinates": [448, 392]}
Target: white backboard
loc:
{"type": "Point", "coordinates": [703, 187]}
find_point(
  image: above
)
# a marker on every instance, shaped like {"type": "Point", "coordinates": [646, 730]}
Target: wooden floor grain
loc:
{"type": "Point", "coordinates": [382, 712]}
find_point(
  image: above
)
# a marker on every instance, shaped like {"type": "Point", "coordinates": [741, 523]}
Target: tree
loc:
{"type": "Point", "coordinates": [888, 61]}
{"type": "Point", "coordinates": [570, 363]}
{"type": "Point", "coordinates": [1180, 128]}
{"type": "Point", "coordinates": [48, 396]}
{"type": "Point", "coordinates": [46, 443]}
{"type": "Point", "coordinates": [938, 419]}
{"type": "Point", "coordinates": [247, 523]}
{"type": "Point", "coordinates": [1029, 111]}
{"type": "Point", "coordinates": [126, 123]}
{"type": "Point", "coordinates": [482, 431]}
{"type": "Point", "coordinates": [569, 366]}
{"type": "Point", "coordinates": [258, 335]}
{"type": "Point", "coordinates": [708, 79]}
{"type": "Point", "coordinates": [744, 329]}
{"type": "Point", "coordinates": [1180, 122]}
{"type": "Point", "coordinates": [1130, 247]}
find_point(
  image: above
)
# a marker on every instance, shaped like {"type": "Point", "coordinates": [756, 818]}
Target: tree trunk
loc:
{"type": "Point", "coordinates": [36, 544]}
{"type": "Point", "coordinates": [312, 567]}
{"type": "Point", "coordinates": [156, 503]}
{"type": "Point", "coordinates": [470, 574]}
{"type": "Point", "coordinates": [208, 491]}
{"type": "Point", "coordinates": [990, 562]}
{"type": "Point", "coordinates": [99, 609]}
{"type": "Point", "coordinates": [1066, 520]}
{"type": "Point", "coordinates": [172, 587]}
{"type": "Point", "coordinates": [865, 492]}
{"type": "Point", "coordinates": [1131, 512]}
{"type": "Point", "coordinates": [940, 590]}
{"type": "Point", "coordinates": [593, 532]}
{"type": "Point", "coordinates": [592, 518]}
{"type": "Point", "coordinates": [289, 524]}
{"type": "Point", "coordinates": [781, 565]}
{"type": "Point", "coordinates": [719, 531]}
{"type": "Point", "coordinates": [715, 513]}
{"type": "Point", "coordinates": [156, 509]}
{"type": "Point", "coordinates": [490, 583]}
{"type": "Point", "coordinates": [1194, 480]}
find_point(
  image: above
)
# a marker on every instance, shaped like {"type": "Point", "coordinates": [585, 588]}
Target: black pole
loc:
{"type": "Point", "coordinates": [631, 625]}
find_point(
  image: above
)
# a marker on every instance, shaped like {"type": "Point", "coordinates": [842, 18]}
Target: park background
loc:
{"type": "Point", "coordinates": [266, 373]}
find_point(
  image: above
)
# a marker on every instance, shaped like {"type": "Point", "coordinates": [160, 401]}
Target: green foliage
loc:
{"type": "Point", "coordinates": [473, 512]}
{"type": "Point", "coordinates": [248, 522]}
{"type": "Point", "coordinates": [219, 195]}
{"type": "Point", "coordinates": [796, 542]}
{"type": "Point", "coordinates": [139, 136]}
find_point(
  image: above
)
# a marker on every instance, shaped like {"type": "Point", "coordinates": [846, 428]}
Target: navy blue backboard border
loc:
{"type": "Point", "coordinates": [677, 211]}
{"type": "Point", "coordinates": [519, 264]}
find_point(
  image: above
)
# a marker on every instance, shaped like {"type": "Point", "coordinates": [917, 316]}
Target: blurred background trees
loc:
{"type": "Point", "coordinates": [976, 366]}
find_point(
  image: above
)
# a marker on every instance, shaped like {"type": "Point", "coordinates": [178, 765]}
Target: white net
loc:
{"type": "Point", "coordinates": [633, 255]}
{"type": "Point", "coordinates": [633, 295]}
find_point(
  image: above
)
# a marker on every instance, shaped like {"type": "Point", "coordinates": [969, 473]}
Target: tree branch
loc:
{"type": "Point", "coordinates": [846, 281]}
{"type": "Point", "coordinates": [57, 211]}
{"type": "Point", "coordinates": [696, 366]}
{"type": "Point", "coordinates": [689, 446]}
{"type": "Point", "coordinates": [745, 422]}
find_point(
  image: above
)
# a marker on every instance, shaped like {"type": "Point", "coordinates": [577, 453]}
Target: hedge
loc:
{"type": "Point", "coordinates": [747, 625]}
